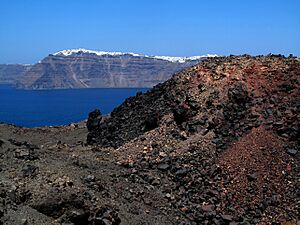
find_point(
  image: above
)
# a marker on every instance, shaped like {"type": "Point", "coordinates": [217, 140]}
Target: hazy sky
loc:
{"type": "Point", "coordinates": [31, 29]}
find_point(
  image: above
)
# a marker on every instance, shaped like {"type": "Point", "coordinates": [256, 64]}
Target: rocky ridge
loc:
{"type": "Point", "coordinates": [224, 135]}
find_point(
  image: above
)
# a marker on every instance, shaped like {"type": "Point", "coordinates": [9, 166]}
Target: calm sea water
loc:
{"type": "Point", "coordinates": [57, 107]}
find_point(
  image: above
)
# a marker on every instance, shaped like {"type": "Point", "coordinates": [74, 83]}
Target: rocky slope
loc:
{"type": "Point", "coordinates": [216, 144]}
{"type": "Point", "coordinates": [90, 69]}
{"type": "Point", "coordinates": [10, 72]}
{"type": "Point", "coordinates": [221, 140]}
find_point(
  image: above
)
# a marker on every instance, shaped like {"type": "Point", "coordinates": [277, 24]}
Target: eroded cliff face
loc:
{"type": "Point", "coordinates": [88, 70]}
{"type": "Point", "coordinates": [10, 72]}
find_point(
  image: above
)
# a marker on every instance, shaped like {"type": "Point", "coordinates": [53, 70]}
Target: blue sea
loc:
{"type": "Point", "coordinates": [34, 108]}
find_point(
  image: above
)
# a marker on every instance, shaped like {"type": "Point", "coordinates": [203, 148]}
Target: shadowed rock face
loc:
{"type": "Point", "coordinates": [10, 72]}
{"type": "Point", "coordinates": [87, 70]}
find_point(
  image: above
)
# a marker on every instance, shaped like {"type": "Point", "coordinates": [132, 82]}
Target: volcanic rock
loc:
{"type": "Point", "coordinates": [215, 144]}
{"type": "Point", "coordinates": [94, 120]}
{"type": "Point", "coordinates": [238, 113]}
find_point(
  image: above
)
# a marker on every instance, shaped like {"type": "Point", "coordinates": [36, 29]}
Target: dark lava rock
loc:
{"type": "Point", "coordinates": [58, 203]}
{"type": "Point", "coordinates": [163, 166]}
{"type": "Point", "coordinates": [207, 208]}
{"type": "Point", "coordinates": [180, 114]}
{"type": "Point", "coordinates": [94, 120]}
{"type": "Point", "coordinates": [151, 122]}
{"type": "Point", "coordinates": [26, 154]}
{"type": "Point", "coordinates": [181, 172]}
{"type": "Point", "coordinates": [24, 144]}
{"type": "Point", "coordinates": [292, 151]}
{"type": "Point", "coordinates": [238, 94]}
{"type": "Point", "coordinates": [90, 178]}
{"type": "Point", "coordinates": [30, 170]}
{"type": "Point", "coordinates": [79, 216]}
{"type": "Point", "coordinates": [1, 207]}
{"type": "Point", "coordinates": [105, 216]}
{"type": "Point", "coordinates": [252, 177]}
{"type": "Point", "coordinates": [15, 142]}
{"type": "Point", "coordinates": [227, 218]}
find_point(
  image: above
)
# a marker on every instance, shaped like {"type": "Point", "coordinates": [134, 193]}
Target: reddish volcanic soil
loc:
{"type": "Point", "coordinates": [258, 167]}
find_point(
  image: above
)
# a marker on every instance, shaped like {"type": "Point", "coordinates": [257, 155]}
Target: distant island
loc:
{"type": "Point", "coordinates": [81, 68]}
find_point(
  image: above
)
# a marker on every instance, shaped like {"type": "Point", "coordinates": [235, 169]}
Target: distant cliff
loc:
{"type": "Point", "coordinates": [91, 69]}
{"type": "Point", "coordinates": [10, 72]}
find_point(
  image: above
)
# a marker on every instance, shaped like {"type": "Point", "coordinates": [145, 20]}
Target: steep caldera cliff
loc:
{"type": "Point", "coordinates": [10, 72]}
{"type": "Point", "coordinates": [80, 68]}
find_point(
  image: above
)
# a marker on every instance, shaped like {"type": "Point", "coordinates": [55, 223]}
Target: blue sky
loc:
{"type": "Point", "coordinates": [31, 29]}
